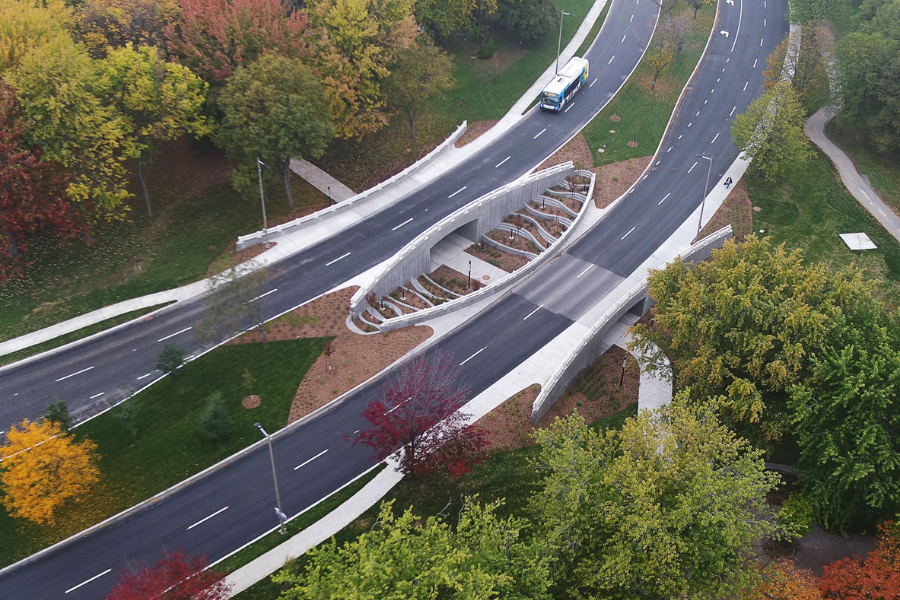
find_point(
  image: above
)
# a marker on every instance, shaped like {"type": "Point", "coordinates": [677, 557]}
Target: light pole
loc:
{"type": "Point", "coordinates": [562, 14]}
{"type": "Point", "coordinates": [469, 283]}
{"type": "Point", "coordinates": [705, 190]}
{"type": "Point", "coordinates": [274, 474]}
{"type": "Point", "coordinates": [262, 199]}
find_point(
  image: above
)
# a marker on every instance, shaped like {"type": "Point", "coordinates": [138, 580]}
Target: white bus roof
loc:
{"type": "Point", "coordinates": [566, 75]}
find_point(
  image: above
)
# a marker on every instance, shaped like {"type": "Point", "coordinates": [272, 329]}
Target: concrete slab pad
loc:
{"type": "Point", "coordinates": [858, 241]}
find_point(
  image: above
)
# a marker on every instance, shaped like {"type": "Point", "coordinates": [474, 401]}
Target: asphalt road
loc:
{"type": "Point", "coordinates": [502, 335]}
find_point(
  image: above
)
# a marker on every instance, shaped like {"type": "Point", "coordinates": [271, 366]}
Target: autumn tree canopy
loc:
{"type": "Point", "coordinates": [114, 23]}
{"type": "Point", "coordinates": [42, 468]}
{"type": "Point", "coordinates": [176, 576]}
{"type": "Point", "coordinates": [27, 25]}
{"type": "Point", "coordinates": [877, 576]}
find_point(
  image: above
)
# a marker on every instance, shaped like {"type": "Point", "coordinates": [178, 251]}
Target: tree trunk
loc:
{"type": "Point", "coordinates": [286, 174]}
{"type": "Point", "coordinates": [696, 8]}
{"type": "Point", "coordinates": [11, 248]}
{"type": "Point", "coordinates": [411, 115]}
{"type": "Point", "coordinates": [262, 330]}
{"type": "Point", "coordinates": [143, 173]}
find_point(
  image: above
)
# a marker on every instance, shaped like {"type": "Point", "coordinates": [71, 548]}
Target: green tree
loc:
{"type": "Point", "coordinates": [530, 20]}
{"type": "Point", "coordinates": [274, 110]}
{"type": "Point", "coordinates": [235, 300]}
{"type": "Point", "coordinates": [214, 424]}
{"type": "Point", "coordinates": [170, 359]}
{"type": "Point", "coordinates": [58, 413]}
{"type": "Point", "coordinates": [665, 508]}
{"type": "Point", "coordinates": [450, 17]}
{"type": "Point", "coordinates": [770, 133]}
{"type": "Point", "coordinates": [806, 62]}
{"type": "Point", "coordinates": [159, 100]}
{"type": "Point", "coordinates": [401, 557]}
{"type": "Point", "coordinates": [421, 72]}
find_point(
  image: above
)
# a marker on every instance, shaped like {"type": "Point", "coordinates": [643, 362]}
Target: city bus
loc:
{"type": "Point", "coordinates": [564, 84]}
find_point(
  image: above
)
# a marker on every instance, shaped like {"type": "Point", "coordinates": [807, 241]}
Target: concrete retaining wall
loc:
{"type": "Point", "coordinates": [256, 237]}
{"type": "Point", "coordinates": [591, 346]}
{"type": "Point", "coordinates": [465, 221]}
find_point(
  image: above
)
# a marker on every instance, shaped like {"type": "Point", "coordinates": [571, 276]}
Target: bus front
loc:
{"type": "Point", "coordinates": [551, 101]}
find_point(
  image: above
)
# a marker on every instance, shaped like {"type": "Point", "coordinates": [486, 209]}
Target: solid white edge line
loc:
{"type": "Point", "coordinates": [72, 589]}
{"type": "Point", "coordinates": [738, 32]}
{"type": "Point", "coordinates": [471, 357]}
{"type": "Point", "coordinates": [508, 157]}
{"type": "Point", "coordinates": [75, 373]}
{"type": "Point", "coordinates": [457, 191]}
{"type": "Point", "coordinates": [303, 464]}
{"type": "Point", "coordinates": [532, 312]}
{"type": "Point", "coordinates": [403, 223]}
{"type": "Point", "coordinates": [162, 339]}
{"type": "Point", "coordinates": [204, 519]}
{"type": "Point", "coordinates": [629, 232]}
{"type": "Point", "coordinates": [341, 257]}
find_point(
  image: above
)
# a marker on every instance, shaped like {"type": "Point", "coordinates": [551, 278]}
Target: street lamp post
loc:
{"type": "Point", "coordinates": [705, 191]}
{"type": "Point", "coordinates": [469, 283]}
{"type": "Point", "coordinates": [562, 14]}
{"type": "Point", "coordinates": [262, 199]}
{"type": "Point", "coordinates": [274, 474]}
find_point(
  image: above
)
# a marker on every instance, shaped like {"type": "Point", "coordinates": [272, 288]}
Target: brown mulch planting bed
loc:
{"type": "Point", "coordinates": [736, 210]}
{"type": "Point", "coordinates": [576, 150]}
{"type": "Point", "coordinates": [518, 242]}
{"type": "Point", "coordinates": [408, 298]}
{"type": "Point", "coordinates": [595, 393]}
{"type": "Point", "coordinates": [614, 179]}
{"type": "Point", "coordinates": [500, 259]}
{"type": "Point", "coordinates": [473, 131]}
{"type": "Point", "coordinates": [453, 280]}
{"type": "Point", "coordinates": [355, 359]}
{"type": "Point", "coordinates": [527, 226]}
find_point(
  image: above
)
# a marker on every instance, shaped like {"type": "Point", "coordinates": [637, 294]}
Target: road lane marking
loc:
{"type": "Point", "coordinates": [629, 232]}
{"type": "Point", "coordinates": [611, 59]}
{"type": "Point", "coordinates": [263, 295]}
{"type": "Point", "coordinates": [583, 272]}
{"type": "Point", "coordinates": [508, 157]}
{"type": "Point", "coordinates": [764, 22]}
{"type": "Point", "coordinates": [679, 137]}
{"type": "Point", "coordinates": [623, 38]}
{"type": "Point", "coordinates": [471, 357]}
{"type": "Point", "coordinates": [592, 83]}
{"type": "Point", "coordinates": [144, 376]}
{"type": "Point", "coordinates": [760, 43]}
{"type": "Point", "coordinates": [341, 257]}
{"type": "Point", "coordinates": [664, 198]}
{"type": "Point", "coordinates": [692, 167]}
{"type": "Point", "coordinates": [570, 107]}
{"type": "Point", "coordinates": [304, 463]}
{"type": "Point", "coordinates": [712, 91]}
{"type": "Point", "coordinates": [669, 150]}
{"type": "Point", "coordinates": [705, 101]}
{"type": "Point", "coordinates": [698, 114]}
{"type": "Point", "coordinates": [203, 520]}
{"type": "Point", "coordinates": [76, 373]}
{"type": "Point", "coordinates": [457, 191]}
{"type": "Point", "coordinates": [745, 86]}
{"type": "Point", "coordinates": [754, 63]}
{"type": "Point", "coordinates": [714, 139]}
{"type": "Point", "coordinates": [162, 339]}
{"type": "Point", "coordinates": [691, 123]}
{"type": "Point", "coordinates": [72, 589]}
{"type": "Point", "coordinates": [534, 311]}
{"type": "Point", "coordinates": [408, 220]}
{"type": "Point", "coordinates": [632, 19]}
{"type": "Point", "coordinates": [539, 133]}
{"type": "Point", "coordinates": [96, 396]}
{"type": "Point", "coordinates": [732, 111]}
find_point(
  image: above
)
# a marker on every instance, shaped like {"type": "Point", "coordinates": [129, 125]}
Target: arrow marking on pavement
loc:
{"type": "Point", "coordinates": [723, 32]}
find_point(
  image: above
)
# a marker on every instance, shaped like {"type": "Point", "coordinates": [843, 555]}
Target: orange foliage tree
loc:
{"type": "Point", "coordinates": [783, 580]}
{"type": "Point", "coordinates": [876, 577]}
{"type": "Point", "coordinates": [42, 467]}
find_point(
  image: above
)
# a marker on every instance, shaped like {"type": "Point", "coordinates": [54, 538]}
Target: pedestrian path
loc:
{"type": "Point", "coordinates": [322, 181]}
{"type": "Point", "coordinates": [856, 184]}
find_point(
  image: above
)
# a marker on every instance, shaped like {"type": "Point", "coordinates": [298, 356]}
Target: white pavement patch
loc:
{"type": "Point", "coordinates": [858, 241]}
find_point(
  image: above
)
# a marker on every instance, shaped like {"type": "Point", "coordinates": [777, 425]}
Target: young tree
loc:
{"type": "Point", "coordinates": [274, 110]}
{"type": "Point", "coordinates": [32, 191]}
{"type": "Point", "coordinates": [665, 508]}
{"type": "Point", "coordinates": [159, 100]}
{"type": "Point", "coordinates": [235, 299]}
{"type": "Point", "coordinates": [170, 359]}
{"type": "Point", "coordinates": [418, 414]}
{"type": "Point", "coordinates": [805, 63]}
{"type": "Point", "coordinates": [485, 556]}
{"type": "Point", "coordinates": [215, 37]}
{"type": "Point", "coordinates": [175, 576]}
{"type": "Point", "coordinates": [531, 20]}
{"type": "Point", "coordinates": [878, 576]}
{"type": "Point", "coordinates": [422, 71]}
{"type": "Point", "coordinates": [696, 4]}
{"type": "Point", "coordinates": [770, 133]}
{"type": "Point", "coordinates": [42, 468]}
{"type": "Point", "coordinates": [58, 414]}
{"type": "Point", "coordinates": [114, 23]}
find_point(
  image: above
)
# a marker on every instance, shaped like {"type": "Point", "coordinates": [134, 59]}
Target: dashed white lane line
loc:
{"type": "Point", "coordinates": [732, 111]}
{"type": "Point", "coordinates": [502, 161]}
{"type": "Point", "coordinates": [611, 59]}
{"type": "Point", "coordinates": [754, 63]}
{"type": "Point", "coordinates": [712, 91]}
{"type": "Point", "coordinates": [714, 139]}
{"type": "Point", "coordinates": [623, 38]}
{"type": "Point", "coordinates": [145, 376]}
{"type": "Point", "coordinates": [570, 107]}
{"type": "Point", "coordinates": [583, 272]}
{"type": "Point", "coordinates": [304, 463]}
{"type": "Point", "coordinates": [341, 257]}
{"type": "Point", "coordinates": [631, 20]}
{"type": "Point", "coordinates": [760, 42]}
{"type": "Point", "coordinates": [403, 223]}
{"type": "Point", "coordinates": [539, 133]}
{"type": "Point", "coordinates": [162, 339]}
{"type": "Point", "coordinates": [692, 167]}
{"type": "Point", "coordinates": [664, 198]}
{"type": "Point", "coordinates": [75, 373]}
{"type": "Point", "coordinates": [264, 295]}
{"type": "Point", "coordinates": [745, 86]}
{"type": "Point", "coordinates": [629, 232]}
{"type": "Point", "coordinates": [764, 22]}
{"type": "Point", "coordinates": [679, 137]}
{"type": "Point", "coordinates": [471, 357]}
{"type": "Point", "coordinates": [98, 576]}
{"type": "Point", "coordinates": [96, 396]}
{"type": "Point", "coordinates": [691, 123]}
{"type": "Point", "coordinates": [698, 114]}
{"type": "Point", "coordinates": [592, 83]}
{"type": "Point", "coordinates": [204, 519]}
{"type": "Point", "coordinates": [534, 311]}
{"type": "Point", "coordinates": [669, 150]}
{"type": "Point", "coordinates": [457, 191]}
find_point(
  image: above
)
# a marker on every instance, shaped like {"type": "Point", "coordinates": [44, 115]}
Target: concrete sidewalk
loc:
{"type": "Point", "coordinates": [322, 181]}
{"type": "Point", "coordinates": [856, 184]}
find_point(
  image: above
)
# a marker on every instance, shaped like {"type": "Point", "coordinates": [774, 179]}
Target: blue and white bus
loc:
{"type": "Point", "coordinates": [564, 85]}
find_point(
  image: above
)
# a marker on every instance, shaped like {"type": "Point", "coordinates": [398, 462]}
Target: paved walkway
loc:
{"type": "Point", "coordinates": [857, 184]}
{"type": "Point", "coordinates": [321, 180]}
{"type": "Point", "coordinates": [451, 251]}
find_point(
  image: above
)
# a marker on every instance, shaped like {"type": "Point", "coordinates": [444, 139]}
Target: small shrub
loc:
{"type": "Point", "coordinates": [58, 413]}
{"type": "Point", "coordinates": [127, 413]}
{"type": "Point", "coordinates": [535, 387]}
{"type": "Point", "coordinates": [487, 49]}
{"type": "Point", "coordinates": [214, 423]}
{"type": "Point", "coordinates": [796, 516]}
{"type": "Point", "coordinates": [170, 359]}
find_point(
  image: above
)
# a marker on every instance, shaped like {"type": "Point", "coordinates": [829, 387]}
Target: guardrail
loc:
{"type": "Point", "coordinates": [502, 284]}
{"type": "Point", "coordinates": [256, 237]}
{"type": "Point", "coordinates": [590, 347]}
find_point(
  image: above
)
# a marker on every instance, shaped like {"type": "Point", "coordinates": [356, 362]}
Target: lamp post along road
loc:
{"type": "Point", "coordinates": [274, 474]}
{"type": "Point", "coordinates": [705, 191]}
{"type": "Point", "coordinates": [562, 14]}
{"type": "Point", "coordinates": [262, 199]}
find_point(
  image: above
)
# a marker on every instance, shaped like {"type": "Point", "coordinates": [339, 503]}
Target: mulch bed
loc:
{"type": "Point", "coordinates": [737, 210]}
{"type": "Point", "coordinates": [614, 179]}
{"type": "Point", "coordinates": [453, 280]}
{"type": "Point", "coordinates": [518, 242]}
{"type": "Point", "coordinates": [500, 259]}
{"type": "Point", "coordinates": [576, 150]}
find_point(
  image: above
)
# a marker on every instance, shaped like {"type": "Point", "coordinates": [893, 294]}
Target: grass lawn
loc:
{"type": "Point", "coordinates": [486, 89]}
{"type": "Point", "coordinates": [133, 468]}
{"type": "Point", "coordinates": [882, 169]}
{"type": "Point", "coordinates": [507, 474]}
{"type": "Point", "coordinates": [644, 113]}
{"type": "Point", "coordinates": [810, 208]}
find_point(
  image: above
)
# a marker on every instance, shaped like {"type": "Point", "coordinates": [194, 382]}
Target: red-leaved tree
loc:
{"type": "Point", "coordinates": [32, 191]}
{"type": "Point", "coordinates": [215, 37]}
{"type": "Point", "coordinates": [876, 577]}
{"type": "Point", "coordinates": [175, 576]}
{"type": "Point", "coordinates": [418, 415]}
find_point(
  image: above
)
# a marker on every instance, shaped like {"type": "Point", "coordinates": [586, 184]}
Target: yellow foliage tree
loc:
{"type": "Point", "coordinates": [27, 25]}
{"type": "Point", "coordinates": [42, 467]}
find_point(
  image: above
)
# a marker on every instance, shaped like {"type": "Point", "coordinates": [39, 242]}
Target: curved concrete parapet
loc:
{"type": "Point", "coordinates": [256, 237]}
{"type": "Point", "coordinates": [414, 259]}
{"type": "Point", "coordinates": [591, 347]}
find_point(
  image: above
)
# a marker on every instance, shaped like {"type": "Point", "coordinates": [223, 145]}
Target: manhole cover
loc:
{"type": "Point", "coordinates": [485, 277]}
